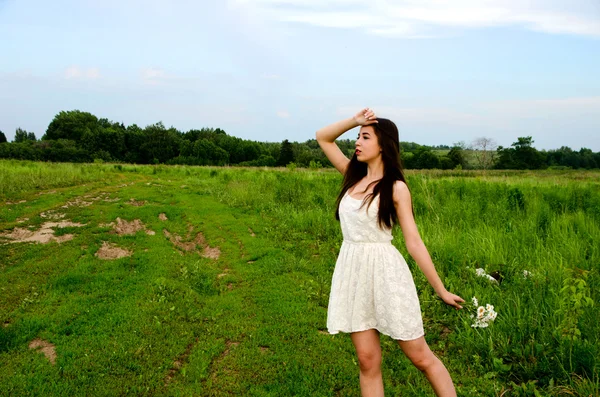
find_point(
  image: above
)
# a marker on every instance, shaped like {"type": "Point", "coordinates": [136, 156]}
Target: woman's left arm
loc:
{"type": "Point", "coordinates": [415, 246]}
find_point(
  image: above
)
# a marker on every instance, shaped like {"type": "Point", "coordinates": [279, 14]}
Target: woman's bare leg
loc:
{"type": "Point", "coordinates": [423, 358]}
{"type": "Point", "coordinates": [368, 351]}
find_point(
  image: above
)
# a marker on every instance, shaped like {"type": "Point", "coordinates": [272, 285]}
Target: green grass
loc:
{"type": "Point", "coordinates": [168, 322]}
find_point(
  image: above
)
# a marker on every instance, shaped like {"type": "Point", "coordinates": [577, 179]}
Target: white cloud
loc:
{"type": "Point", "coordinates": [411, 18]}
{"type": "Point", "coordinates": [75, 72]}
{"type": "Point", "coordinates": [283, 114]}
{"type": "Point", "coordinates": [92, 73]}
{"type": "Point", "coordinates": [153, 76]}
{"type": "Point", "coordinates": [151, 73]}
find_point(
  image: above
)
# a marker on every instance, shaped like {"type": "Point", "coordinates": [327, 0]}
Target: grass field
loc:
{"type": "Point", "coordinates": [224, 285]}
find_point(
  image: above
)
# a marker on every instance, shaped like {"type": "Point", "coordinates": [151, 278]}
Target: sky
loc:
{"type": "Point", "coordinates": [269, 70]}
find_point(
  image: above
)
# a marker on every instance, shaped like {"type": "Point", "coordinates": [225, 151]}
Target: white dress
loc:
{"type": "Point", "coordinates": [372, 287]}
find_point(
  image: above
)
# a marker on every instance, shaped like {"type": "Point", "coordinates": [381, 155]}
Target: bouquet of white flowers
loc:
{"type": "Point", "coordinates": [483, 316]}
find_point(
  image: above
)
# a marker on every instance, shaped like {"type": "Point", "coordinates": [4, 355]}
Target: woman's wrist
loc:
{"type": "Point", "coordinates": [440, 290]}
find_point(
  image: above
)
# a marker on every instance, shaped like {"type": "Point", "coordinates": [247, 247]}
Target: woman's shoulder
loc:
{"type": "Point", "coordinates": [400, 191]}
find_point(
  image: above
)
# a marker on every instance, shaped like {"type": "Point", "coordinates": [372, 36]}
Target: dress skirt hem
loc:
{"type": "Point", "coordinates": [335, 332]}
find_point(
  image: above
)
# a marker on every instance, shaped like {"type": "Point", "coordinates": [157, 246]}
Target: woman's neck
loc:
{"type": "Point", "coordinates": [374, 170]}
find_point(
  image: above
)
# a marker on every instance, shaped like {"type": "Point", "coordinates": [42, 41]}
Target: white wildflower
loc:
{"type": "Point", "coordinates": [480, 312]}
{"type": "Point", "coordinates": [475, 303]}
{"type": "Point", "coordinates": [526, 274]}
{"type": "Point", "coordinates": [481, 273]}
{"type": "Point", "coordinates": [485, 315]}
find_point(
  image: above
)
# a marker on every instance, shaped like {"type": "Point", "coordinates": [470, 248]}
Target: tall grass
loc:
{"type": "Point", "coordinates": [544, 340]}
{"type": "Point", "coordinates": [546, 223]}
{"type": "Point", "coordinates": [20, 176]}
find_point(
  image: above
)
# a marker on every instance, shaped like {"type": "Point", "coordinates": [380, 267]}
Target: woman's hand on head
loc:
{"type": "Point", "coordinates": [365, 117]}
{"type": "Point", "coordinates": [452, 299]}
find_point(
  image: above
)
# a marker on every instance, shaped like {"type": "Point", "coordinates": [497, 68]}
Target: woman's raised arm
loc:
{"type": "Point", "coordinates": [326, 137]}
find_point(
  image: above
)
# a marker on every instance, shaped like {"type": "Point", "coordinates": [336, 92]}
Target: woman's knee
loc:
{"type": "Point", "coordinates": [423, 360]}
{"type": "Point", "coordinates": [369, 360]}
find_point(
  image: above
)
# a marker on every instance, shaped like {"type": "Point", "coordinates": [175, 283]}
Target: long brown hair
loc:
{"type": "Point", "coordinates": [387, 136]}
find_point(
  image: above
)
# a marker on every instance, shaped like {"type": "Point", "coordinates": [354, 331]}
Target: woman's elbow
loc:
{"type": "Point", "coordinates": [414, 246]}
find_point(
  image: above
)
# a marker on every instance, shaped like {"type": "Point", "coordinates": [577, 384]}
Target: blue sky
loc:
{"type": "Point", "coordinates": [268, 70]}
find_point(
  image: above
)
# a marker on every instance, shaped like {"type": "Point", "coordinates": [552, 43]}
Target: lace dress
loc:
{"type": "Point", "coordinates": [372, 286]}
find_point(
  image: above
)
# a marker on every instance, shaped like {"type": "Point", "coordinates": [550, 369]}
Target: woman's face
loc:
{"type": "Point", "coordinates": [367, 144]}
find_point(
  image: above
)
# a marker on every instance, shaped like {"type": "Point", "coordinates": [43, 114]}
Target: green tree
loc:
{"type": "Point", "coordinates": [209, 153]}
{"type": "Point", "coordinates": [105, 142]}
{"type": "Point", "coordinates": [20, 135]}
{"type": "Point", "coordinates": [160, 144]}
{"type": "Point", "coordinates": [456, 155]}
{"type": "Point", "coordinates": [3, 137]}
{"type": "Point", "coordinates": [286, 154]}
{"type": "Point", "coordinates": [23, 136]}
{"type": "Point", "coordinates": [425, 158]}
{"type": "Point", "coordinates": [134, 139]}
{"type": "Point", "coordinates": [520, 156]}
{"type": "Point", "coordinates": [71, 125]}
{"type": "Point", "coordinates": [587, 158]}
{"type": "Point", "coordinates": [526, 156]}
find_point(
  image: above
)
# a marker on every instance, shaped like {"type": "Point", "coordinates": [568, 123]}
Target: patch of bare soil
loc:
{"type": "Point", "coordinates": [200, 240]}
{"type": "Point", "coordinates": [251, 232]}
{"type": "Point", "coordinates": [445, 332]}
{"type": "Point", "coordinates": [135, 203]}
{"type": "Point", "coordinates": [45, 347]}
{"type": "Point", "coordinates": [77, 203]}
{"type": "Point", "coordinates": [15, 202]}
{"type": "Point", "coordinates": [51, 214]}
{"type": "Point", "coordinates": [162, 216]}
{"type": "Point", "coordinates": [6, 324]}
{"type": "Point", "coordinates": [199, 243]}
{"type": "Point", "coordinates": [229, 344]}
{"type": "Point", "coordinates": [50, 192]}
{"type": "Point", "coordinates": [177, 241]}
{"type": "Point", "coordinates": [211, 252]}
{"type": "Point", "coordinates": [22, 220]}
{"type": "Point", "coordinates": [207, 251]}
{"type": "Point", "coordinates": [110, 251]}
{"type": "Point", "coordinates": [43, 235]}
{"type": "Point", "coordinates": [124, 227]}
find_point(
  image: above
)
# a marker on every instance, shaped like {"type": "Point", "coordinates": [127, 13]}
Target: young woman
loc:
{"type": "Point", "coordinates": [372, 290]}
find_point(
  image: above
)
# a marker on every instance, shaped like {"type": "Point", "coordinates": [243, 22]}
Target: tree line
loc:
{"type": "Point", "coordinates": [76, 136]}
